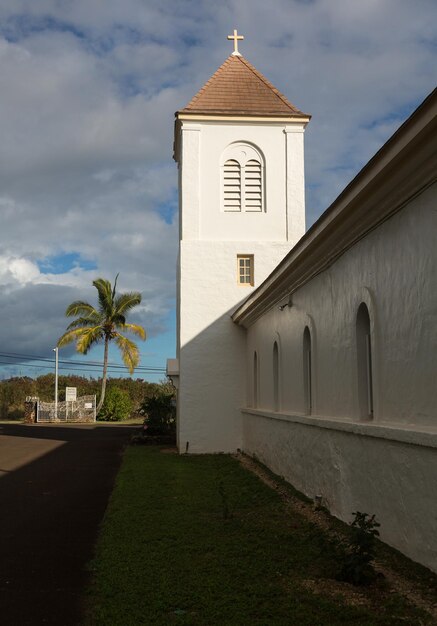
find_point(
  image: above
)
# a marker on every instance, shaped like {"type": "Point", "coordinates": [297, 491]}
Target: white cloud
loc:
{"type": "Point", "coordinates": [89, 90]}
{"type": "Point", "coordinates": [14, 270]}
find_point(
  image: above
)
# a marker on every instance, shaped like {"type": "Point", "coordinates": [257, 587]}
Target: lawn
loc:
{"type": "Point", "coordinates": [200, 540]}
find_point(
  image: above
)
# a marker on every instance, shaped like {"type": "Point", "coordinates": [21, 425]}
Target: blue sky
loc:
{"type": "Point", "coordinates": [89, 91]}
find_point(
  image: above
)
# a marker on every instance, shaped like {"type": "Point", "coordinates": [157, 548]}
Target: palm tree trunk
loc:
{"type": "Point", "coordinates": [105, 370]}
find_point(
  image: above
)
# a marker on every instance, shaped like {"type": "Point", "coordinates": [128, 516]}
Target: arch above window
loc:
{"type": "Point", "coordinates": [242, 175]}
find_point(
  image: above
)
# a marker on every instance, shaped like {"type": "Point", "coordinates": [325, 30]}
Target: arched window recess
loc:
{"type": "Point", "coordinates": [255, 379]}
{"type": "Point", "coordinates": [307, 371]}
{"type": "Point", "coordinates": [276, 376]}
{"type": "Point", "coordinates": [242, 174]}
{"type": "Point", "coordinates": [364, 362]}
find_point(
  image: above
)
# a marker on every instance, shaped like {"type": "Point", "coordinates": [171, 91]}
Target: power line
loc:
{"type": "Point", "coordinates": [94, 364]}
{"type": "Point", "coordinates": [71, 369]}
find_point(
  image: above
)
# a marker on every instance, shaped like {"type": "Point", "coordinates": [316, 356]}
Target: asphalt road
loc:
{"type": "Point", "coordinates": [55, 482]}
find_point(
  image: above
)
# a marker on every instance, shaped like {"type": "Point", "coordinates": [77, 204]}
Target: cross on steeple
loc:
{"type": "Point", "coordinates": [236, 37]}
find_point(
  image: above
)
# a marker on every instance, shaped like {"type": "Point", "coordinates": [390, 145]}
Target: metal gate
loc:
{"type": "Point", "coordinates": [81, 410]}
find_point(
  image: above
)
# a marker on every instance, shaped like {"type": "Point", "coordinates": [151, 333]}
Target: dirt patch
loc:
{"type": "Point", "coordinates": [332, 589]}
{"type": "Point", "coordinates": [416, 594]}
{"type": "Point", "coordinates": [172, 450]}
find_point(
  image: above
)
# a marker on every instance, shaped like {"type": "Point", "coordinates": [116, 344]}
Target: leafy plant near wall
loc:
{"type": "Point", "coordinates": [159, 411]}
{"type": "Point", "coordinates": [117, 406]}
{"type": "Point", "coordinates": [356, 566]}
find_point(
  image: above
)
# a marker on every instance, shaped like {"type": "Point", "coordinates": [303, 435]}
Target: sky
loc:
{"type": "Point", "coordinates": [88, 187]}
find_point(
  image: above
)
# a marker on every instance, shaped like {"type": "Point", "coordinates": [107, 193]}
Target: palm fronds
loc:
{"type": "Point", "coordinates": [126, 301]}
{"type": "Point", "coordinates": [80, 308]}
{"type": "Point", "coordinates": [135, 329]}
{"type": "Point", "coordinates": [129, 352]}
{"type": "Point", "coordinates": [104, 290]}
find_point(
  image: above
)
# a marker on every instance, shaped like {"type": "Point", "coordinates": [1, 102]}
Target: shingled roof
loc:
{"type": "Point", "coordinates": [237, 88]}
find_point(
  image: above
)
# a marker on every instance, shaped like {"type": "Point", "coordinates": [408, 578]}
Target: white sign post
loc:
{"type": "Point", "coordinates": [70, 394]}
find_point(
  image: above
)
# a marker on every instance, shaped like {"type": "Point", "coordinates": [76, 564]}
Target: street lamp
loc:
{"type": "Point", "coordinates": [55, 350]}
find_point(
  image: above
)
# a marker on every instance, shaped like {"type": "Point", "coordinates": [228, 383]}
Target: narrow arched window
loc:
{"type": "Point", "coordinates": [307, 371]}
{"type": "Point", "coordinates": [252, 186]}
{"type": "Point", "coordinates": [232, 186]}
{"type": "Point", "coordinates": [364, 362]}
{"type": "Point", "coordinates": [255, 380]}
{"type": "Point", "coordinates": [275, 376]}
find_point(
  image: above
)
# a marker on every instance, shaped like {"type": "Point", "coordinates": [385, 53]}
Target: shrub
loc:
{"type": "Point", "coordinates": [360, 550]}
{"type": "Point", "coordinates": [159, 413]}
{"type": "Point", "coordinates": [116, 407]}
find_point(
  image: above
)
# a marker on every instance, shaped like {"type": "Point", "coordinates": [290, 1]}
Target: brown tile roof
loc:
{"type": "Point", "coordinates": [237, 88]}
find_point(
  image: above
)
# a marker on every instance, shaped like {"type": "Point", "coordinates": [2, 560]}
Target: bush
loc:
{"type": "Point", "coordinates": [117, 406]}
{"type": "Point", "coordinates": [360, 550]}
{"type": "Point", "coordinates": [159, 412]}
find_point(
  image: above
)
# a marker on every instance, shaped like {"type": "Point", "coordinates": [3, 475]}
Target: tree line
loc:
{"type": "Point", "coordinates": [13, 391]}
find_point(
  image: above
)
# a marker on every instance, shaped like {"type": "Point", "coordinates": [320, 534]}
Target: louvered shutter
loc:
{"type": "Point", "coordinates": [232, 186]}
{"type": "Point", "coordinates": [253, 186]}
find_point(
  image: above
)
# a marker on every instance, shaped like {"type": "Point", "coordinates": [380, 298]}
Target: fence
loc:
{"type": "Point", "coordinates": [81, 410]}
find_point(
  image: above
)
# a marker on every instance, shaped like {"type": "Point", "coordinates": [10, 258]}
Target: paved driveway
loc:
{"type": "Point", "coordinates": [55, 482]}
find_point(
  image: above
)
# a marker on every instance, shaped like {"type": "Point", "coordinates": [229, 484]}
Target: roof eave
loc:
{"type": "Point", "coordinates": [242, 113]}
{"type": "Point", "coordinates": [356, 211]}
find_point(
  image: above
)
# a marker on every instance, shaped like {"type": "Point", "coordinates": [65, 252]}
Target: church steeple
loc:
{"type": "Point", "coordinates": [237, 88]}
{"type": "Point", "coordinates": [239, 149]}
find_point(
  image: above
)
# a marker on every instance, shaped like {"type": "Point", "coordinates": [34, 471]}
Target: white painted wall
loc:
{"type": "Point", "coordinates": [212, 385]}
{"type": "Point", "coordinates": [394, 271]}
{"type": "Point", "coordinates": [211, 349]}
{"type": "Point", "coordinates": [387, 466]}
{"type": "Point", "coordinates": [395, 480]}
{"type": "Point", "coordinates": [282, 147]}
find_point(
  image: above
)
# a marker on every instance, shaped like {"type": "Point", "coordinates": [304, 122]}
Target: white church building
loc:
{"type": "Point", "coordinates": [315, 352]}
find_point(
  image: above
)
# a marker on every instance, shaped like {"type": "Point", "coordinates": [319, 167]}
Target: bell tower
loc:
{"type": "Point", "coordinates": [239, 149]}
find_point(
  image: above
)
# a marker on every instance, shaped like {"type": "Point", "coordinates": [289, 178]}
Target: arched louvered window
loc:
{"type": "Point", "coordinates": [232, 185]}
{"type": "Point", "coordinates": [253, 186]}
{"type": "Point", "coordinates": [242, 179]}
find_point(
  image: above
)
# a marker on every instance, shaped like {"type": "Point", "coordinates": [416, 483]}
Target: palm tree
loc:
{"type": "Point", "coordinates": [93, 326]}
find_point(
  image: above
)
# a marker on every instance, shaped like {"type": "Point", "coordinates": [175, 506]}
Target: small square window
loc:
{"type": "Point", "coordinates": [245, 265]}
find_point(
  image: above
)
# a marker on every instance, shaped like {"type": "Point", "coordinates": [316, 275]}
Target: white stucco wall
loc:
{"type": "Point", "coordinates": [388, 465]}
{"type": "Point", "coordinates": [392, 479]}
{"type": "Point", "coordinates": [212, 385]}
{"type": "Point", "coordinates": [211, 349]}
{"type": "Point", "coordinates": [394, 271]}
{"type": "Point", "coordinates": [281, 145]}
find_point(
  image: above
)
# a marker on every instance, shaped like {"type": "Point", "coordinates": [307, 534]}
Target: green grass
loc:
{"type": "Point", "coordinates": [167, 554]}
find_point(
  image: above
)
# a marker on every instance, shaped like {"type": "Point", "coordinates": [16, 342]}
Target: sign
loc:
{"type": "Point", "coordinates": [70, 394]}
{"type": "Point", "coordinates": [88, 405]}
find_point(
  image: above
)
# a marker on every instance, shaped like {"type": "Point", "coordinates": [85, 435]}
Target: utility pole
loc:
{"type": "Point", "coordinates": [55, 350]}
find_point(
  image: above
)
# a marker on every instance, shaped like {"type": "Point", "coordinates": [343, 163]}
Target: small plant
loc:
{"type": "Point", "coordinates": [159, 412]}
{"type": "Point", "coordinates": [117, 406]}
{"type": "Point", "coordinates": [360, 550]}
{"type": "Point", "coordinates": [224, 499]}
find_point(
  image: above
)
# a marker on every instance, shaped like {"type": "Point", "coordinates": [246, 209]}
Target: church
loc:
{"type": "Point", "coordinates": [313, 351]}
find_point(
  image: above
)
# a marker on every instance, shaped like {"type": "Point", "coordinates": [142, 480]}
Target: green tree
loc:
{"type": "Point", "coordinates": [159, 411]}
{"type": "Point", "coordinates": [117, 405]}
{"type": "Point", "coordinates": [103, 324]}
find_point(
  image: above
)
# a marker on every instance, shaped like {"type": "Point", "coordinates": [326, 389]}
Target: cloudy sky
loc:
{"type": "Point", "coordinates": [88, 91]}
